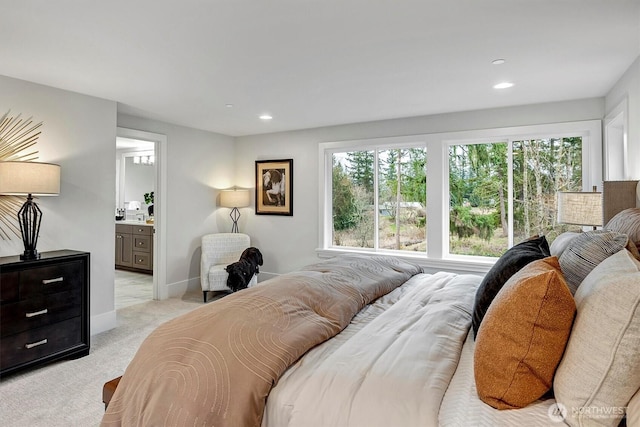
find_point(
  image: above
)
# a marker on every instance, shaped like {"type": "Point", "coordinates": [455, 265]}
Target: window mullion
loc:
{"type": "Point", "coordinates": [510, 193]}
{"type": "Point", "coordinates": [376, 208]}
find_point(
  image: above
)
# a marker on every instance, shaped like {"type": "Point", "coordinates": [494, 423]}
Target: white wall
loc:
{"type": "Point", "coordinates": [629, 87]}
{"type": "Point", "coordinates": [79, 134]}
{"type": "Point", "coordinates": [288, 243]}
{"type": "Point", "coordinates": [199, 164]}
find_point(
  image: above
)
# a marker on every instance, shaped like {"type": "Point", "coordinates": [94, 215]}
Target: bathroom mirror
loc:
{"type": "Point", "coordinates": [135, 176]}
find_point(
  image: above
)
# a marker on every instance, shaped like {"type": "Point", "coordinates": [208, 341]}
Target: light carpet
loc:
{"type": "Point", "coordinates": [69, 392]}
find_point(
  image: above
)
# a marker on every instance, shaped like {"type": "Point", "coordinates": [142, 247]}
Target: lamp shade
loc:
{"type": "Point", "coordinates": [20, 178]}
{"type": "Point", "coordinates": [580, 208]}
{"type": "Point", "coordinates": [234, 198]}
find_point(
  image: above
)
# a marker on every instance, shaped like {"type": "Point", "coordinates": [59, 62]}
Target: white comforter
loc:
{"type": "Point", "coordinates": [461, 406]}
{"type": "Point", "coordinates": [390, 367]}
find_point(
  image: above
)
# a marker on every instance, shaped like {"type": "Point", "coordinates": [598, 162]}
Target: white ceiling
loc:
{"type": "Point", "coordinates": [312, 63]}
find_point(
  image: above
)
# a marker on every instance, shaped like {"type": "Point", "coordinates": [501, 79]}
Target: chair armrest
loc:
{"type": "Point", "coordinates": [206, 262]}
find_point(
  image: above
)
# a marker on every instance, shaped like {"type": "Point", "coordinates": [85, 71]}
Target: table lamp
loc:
{"type": "Point", "coordinates": [234, 199]}
{"type": "Point", "coordinates": [30, 179]}
{"type": "Point", "coordinates": [580, 208]}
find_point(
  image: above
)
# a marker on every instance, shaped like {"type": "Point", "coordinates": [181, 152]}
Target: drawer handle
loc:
{"type": "Point", "coordinates": [48, 281]}
{"type": "Point", "coordinates": [139, 243]}
{"type": "Point", "coordinates": [35, 344]}
{"type": "Point", "coordinates": [37, 313]}
{"type": "Point", "coordinates": [140, 230]}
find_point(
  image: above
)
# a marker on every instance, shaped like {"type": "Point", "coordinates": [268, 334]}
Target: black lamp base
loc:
{"type": "Point", "coordinates": [29, 217]}
{"type": "Point", "coordinates": [235, 215]}
{"type": "Point", "coordinates": [28, 255]}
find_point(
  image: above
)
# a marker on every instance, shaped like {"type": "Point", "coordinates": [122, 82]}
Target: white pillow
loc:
{"type": "Point", "coordinates": [600, 369]}
{"type": "Point", "coordinates": [633, 409]}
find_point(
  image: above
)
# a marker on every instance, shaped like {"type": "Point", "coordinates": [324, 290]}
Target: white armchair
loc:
{"type": "Point", "coordinates": [218, 251]}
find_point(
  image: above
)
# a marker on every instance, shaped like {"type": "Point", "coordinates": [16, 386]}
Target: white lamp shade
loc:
{"type": "Point", "coordinates": [580, 208]}
{"type": "Point", "coordinates": [234, 198]}
{"type": "Point", "coordinates": [20, 178]}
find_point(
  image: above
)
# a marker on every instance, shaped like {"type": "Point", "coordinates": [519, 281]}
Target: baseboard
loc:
{"type": "Point", "coordinates": [178, 289]}
{"type": "Point", "coordinates": [103, 322]}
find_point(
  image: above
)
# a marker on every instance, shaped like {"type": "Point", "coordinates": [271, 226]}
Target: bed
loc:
{"type": "Point", "coordinates": [363, 340]}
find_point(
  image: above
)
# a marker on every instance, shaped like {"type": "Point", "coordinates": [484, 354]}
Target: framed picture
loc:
{"type": "Point", "coordinates": [274, 187]}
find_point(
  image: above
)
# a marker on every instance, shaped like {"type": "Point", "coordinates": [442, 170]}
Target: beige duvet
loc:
{"type": "Point", "coordinates": [216, 365]}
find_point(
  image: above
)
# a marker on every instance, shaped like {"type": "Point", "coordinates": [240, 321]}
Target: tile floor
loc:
{"type": "Point", "coordinates": [132, 288]}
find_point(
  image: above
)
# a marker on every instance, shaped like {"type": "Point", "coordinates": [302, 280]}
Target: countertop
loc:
{"type": "Point", "coordinates": [133, 222]}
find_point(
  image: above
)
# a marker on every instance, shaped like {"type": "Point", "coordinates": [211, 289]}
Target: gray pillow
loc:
{"type": "Point", "coordinates": [586, 251]}
{"type": "Point", "coordinates": [626, 222]}
{"type": "Point", "coordinates": [561, 242]}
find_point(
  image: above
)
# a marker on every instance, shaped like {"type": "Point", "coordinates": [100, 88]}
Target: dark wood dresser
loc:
{"type": "Point", "coordinates": [44, 309]}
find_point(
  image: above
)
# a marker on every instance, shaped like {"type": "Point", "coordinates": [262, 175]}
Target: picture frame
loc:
{"type": "Point", "coordinates": [274, 187]}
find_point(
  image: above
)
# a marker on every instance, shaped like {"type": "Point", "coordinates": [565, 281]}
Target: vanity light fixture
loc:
{"type": "Point", "coordinates": [144, 160]}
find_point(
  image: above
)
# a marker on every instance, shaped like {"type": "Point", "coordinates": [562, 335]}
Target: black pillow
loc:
{"type": "Point", "coordinates": [507, 265]}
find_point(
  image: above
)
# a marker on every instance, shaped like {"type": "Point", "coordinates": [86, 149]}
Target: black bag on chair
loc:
{"type": "Point", "coordinates": [242, 271]}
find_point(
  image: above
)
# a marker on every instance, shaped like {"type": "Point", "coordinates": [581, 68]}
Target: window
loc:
{"type": "Point", "coordinates": [481, 220]}
{"type": "Point", "coordinates": [472, 197]}
{"type": "Point", "coordinates": [378, 199]}
{"type": "Point", "coordinates": [478, 199]}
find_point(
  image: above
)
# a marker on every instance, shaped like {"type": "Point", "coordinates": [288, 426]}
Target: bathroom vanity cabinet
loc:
{"type": "Point", "coordinates": [134, 247]}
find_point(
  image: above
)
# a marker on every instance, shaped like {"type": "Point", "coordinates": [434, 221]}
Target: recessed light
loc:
{"type": "Point", "coordinates": [503, 85]}
{"type": "Point", "coordinates": [265, 117]}
{"type": "Point", "coordinates": [498, 61]}
{"type": "Point", "coordinates": [228, 105]}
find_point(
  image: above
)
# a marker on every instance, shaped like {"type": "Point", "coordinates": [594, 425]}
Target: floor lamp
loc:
{"type": "Point", "coordinates": [30, 179]}
{"type": "Point", "coordinates": [234, 199]}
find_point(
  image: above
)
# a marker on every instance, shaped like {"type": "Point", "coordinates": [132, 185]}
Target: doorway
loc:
{"type": "Point", "coordinates": [142, 156]}
{"type": "Point", "coordinates": [135, 190]}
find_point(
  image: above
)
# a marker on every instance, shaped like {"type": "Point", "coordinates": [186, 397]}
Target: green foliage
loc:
{"type": "Point", "coordinates": [360, 169]}
{"type": "Point", "coordinates": [478, 193]}
{"type": "Point", "coordinates": [344, 207]}
{"type": "Point", "coordinates": [148, 198]}
{"type": "Point", "coordinates": [465, 223]}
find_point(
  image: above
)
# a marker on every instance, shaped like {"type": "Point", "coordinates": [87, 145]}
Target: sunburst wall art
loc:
{"type": "Point", "coordinates": [17, 139]}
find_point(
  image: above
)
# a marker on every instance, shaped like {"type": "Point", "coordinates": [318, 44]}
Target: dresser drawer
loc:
{"type": "Point", "coordinates": [124, 228]}
{"type": "Point", "coordinates": [141, 243]}
{"type": "Point", "coordinates": [37, 343]}
{"type": "Point", "coordinates": [51, 279]}
{"type": "Point", "coordinates": [9, 290]}
{"type": "Point", "coordinates": [41, 310]}
{"type": "Point", "coordinates": [145, 230]}
{"type": "Point", "coordinates": [142, 260]}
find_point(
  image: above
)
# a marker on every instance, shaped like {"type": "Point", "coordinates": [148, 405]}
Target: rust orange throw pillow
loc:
{"type": "Point", "coordinates": [523, 335]}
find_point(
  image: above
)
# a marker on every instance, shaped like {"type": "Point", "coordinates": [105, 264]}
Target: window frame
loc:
{"type": "Point", "coordinates": [437, 256]}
